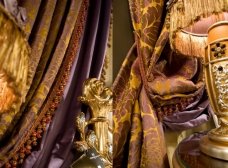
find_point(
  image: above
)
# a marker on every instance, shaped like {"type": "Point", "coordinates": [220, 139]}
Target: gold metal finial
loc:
{"type": "Point", "coordinates": [99, 99]}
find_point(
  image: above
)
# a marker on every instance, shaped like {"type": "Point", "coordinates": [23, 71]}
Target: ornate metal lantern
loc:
{"type": "Point", "coordinates": [215, 144]}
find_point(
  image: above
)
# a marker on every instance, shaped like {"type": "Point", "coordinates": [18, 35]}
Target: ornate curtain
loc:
{"type": "Point", "coordinates": [156, 89]}
{"type": "Point", "coordinates": [68, 41]}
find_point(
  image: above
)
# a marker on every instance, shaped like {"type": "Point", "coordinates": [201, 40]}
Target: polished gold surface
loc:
{"type": "Point", "coordinates": [188, 155]}
{"type": "Point", "coordinates": [215, 144]}
{"type": "Point", "coordinates": [213, 162]}
{"type": "Point", "coordinates": [99, 99]}
{"type": "Point", "coordinates": [213, 148]}
{"type": "Point", "coordinates": [14, 54]}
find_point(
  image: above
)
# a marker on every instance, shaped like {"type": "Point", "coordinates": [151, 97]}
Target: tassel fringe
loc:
{"type": "Point", "coordinates": [184, 13]}
{"type": "Point", "coordinates": [14, 55]}
{"type": "Point", "coordinates": [190, 44]}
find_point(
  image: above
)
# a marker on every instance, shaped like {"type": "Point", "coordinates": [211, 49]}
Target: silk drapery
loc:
{"type": "Point", "coordinates": [62, 34]}
{"type": "Point", "coordinates": [156, 88]}
{"type": "Point", "coordinates": [57, 146]}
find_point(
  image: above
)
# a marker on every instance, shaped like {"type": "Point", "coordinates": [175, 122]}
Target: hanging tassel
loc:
{"type": "Point", "coordinates": [184, 13]}
{"type": "Point", "coordinates": [14, 55]}
{"type": "Point", "coordinates": [189, 44]}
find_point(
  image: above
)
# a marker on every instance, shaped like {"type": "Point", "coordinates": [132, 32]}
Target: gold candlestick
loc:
{"type": "Point", "coordinates": [215, 144]}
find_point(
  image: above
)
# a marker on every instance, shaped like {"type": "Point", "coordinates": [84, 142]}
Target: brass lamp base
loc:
{"type": "Point", "coordinates": [214, 148]}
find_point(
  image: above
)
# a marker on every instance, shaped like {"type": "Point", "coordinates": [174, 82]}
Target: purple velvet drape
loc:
{"type": "Point", "coordinates": [56, 147]}
{"type": "Point", "coordinates": [195, 114]}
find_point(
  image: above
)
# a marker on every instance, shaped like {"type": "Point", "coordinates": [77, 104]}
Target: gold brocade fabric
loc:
{"type": "Point", "coordinates": [134, 116]}
{"type": "Point", "coordinates": [49, 30]}
{"type": "Point", "coordinates": [14, 56]}
{"type": "Point", "coordinates": [146, 20]}
{"type": "Point", "coordinates": [134, 113]}
{"type": "Point", "coordinates": [153, 82]}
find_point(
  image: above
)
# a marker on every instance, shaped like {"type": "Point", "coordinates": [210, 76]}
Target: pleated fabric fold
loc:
{"type": "Point", "coordinates": [156, 89]}
{"type": "Point", "coordinates": [66, 50]}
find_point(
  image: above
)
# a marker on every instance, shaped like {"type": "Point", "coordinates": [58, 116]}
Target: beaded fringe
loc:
{"type": "Point", "coordinates": [106, 73]}
{"type": "Point", "coordinates": [33, 137]}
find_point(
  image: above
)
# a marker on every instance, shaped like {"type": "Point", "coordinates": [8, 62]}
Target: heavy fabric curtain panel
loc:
{"type": "Point", "coordinates": [68, 42]}
{"type": "Point", "coordinates": [156, 90]}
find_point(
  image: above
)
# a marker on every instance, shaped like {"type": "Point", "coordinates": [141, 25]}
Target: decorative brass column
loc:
{"type": "Point", "coordinates": [99, 99]}
{"type": "Point", "coordinates": [215, 144]}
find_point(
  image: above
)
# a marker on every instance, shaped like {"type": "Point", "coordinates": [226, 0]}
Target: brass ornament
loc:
{"type": "Point", "coordinates": [215, 144]}
{"type": "Point", "coordinates": [218, 50]}
{"type": "Point", "coordinates": [99, 99]}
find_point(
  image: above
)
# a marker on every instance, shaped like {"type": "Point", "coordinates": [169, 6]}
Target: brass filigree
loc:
{"type": "Point", "coordinates": [99, 99]}
{"type": "Point", "coordinates": [219, 50]}
{"type": "Point", "coordinates": [220, 72]}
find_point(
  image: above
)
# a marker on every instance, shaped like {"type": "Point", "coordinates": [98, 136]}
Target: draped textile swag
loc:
{"type": "Point", "coordinates": [68, 41]}
{"type": "Point", "coordinates": [156, 90]}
